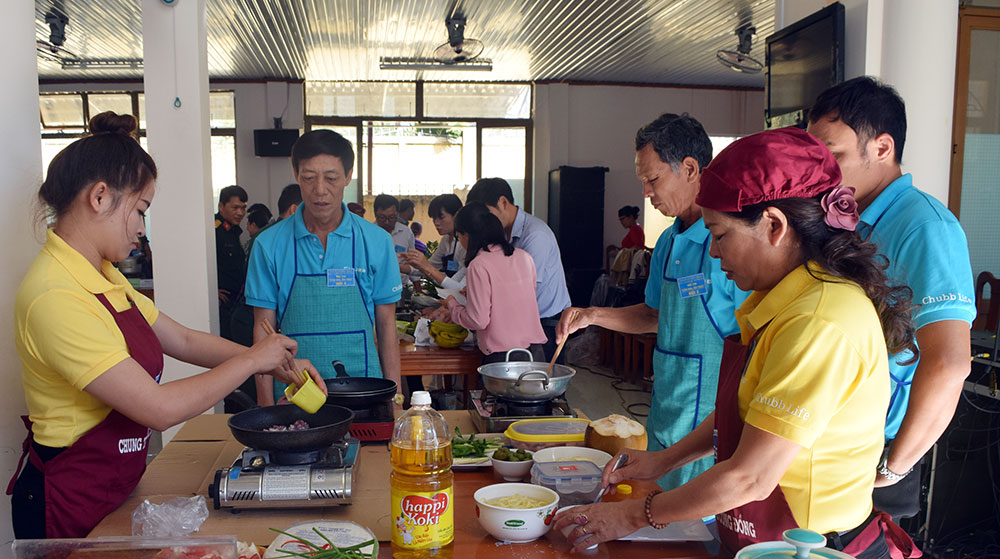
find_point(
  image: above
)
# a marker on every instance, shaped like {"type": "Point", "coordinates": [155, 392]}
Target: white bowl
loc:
{"type": "Point", "coordinates": [515, 525]}
{"type": "Point", "coordinates": [563, 453]}
{"type": "Point", "coordinates": [512, 471]}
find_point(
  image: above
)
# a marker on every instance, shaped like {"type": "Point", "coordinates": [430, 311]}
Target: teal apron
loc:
{"type": "Point", "coordinates": [685, 367]}
{"type": "Point", "coordinates": [326, 314]}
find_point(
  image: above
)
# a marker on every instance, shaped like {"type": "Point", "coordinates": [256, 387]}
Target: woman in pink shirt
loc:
{"type": "Point", "coordinates": [500, 283]}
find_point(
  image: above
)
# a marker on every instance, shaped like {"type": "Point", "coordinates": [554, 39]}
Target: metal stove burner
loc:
{"type": "Point", "coordinates": [493, 415]}
{"type": "Point", "coordinates": [262, 479]}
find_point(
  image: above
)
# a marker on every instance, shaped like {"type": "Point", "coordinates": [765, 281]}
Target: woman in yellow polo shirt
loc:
{"type": "Point", "coordinates": [803, 390]}
{"type": "Point", "coordinates": [92, 348]}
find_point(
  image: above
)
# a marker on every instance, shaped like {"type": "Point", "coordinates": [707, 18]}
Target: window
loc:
{"type": "Point", "coordinates": [64, 118]}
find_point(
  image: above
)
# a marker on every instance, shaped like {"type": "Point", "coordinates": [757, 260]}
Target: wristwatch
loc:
{"type": "Point", "coordinates": [884, 471]}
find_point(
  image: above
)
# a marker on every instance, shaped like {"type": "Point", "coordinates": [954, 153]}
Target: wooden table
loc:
{"type": "Point", "coordinates": [186, 465]}
{"type": "Point", "coordinates": [434, 360]}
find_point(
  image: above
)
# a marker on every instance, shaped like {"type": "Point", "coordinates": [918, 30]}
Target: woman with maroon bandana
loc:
{"type": "Point", "coordinates": [803, 389]}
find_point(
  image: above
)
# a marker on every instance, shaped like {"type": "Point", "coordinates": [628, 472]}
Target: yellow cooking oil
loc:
{"type": "Point", "coordinates": [422, 508]}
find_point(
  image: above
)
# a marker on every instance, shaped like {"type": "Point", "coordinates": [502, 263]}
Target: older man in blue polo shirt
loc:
{"type": "Point", "coordinates": [534, 236]}
{"type": "Point", "coordinates": [863, 122]}
{"type": "Point", "coordinates": [690, 303]}
{"type": "Point", "coordinates": [328, 278]}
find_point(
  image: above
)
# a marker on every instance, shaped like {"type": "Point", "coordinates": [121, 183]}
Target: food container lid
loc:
{"type": "Point", "coordinates": [558, 430]}
{"type": "Point", "coordinates": [571, 470]}
{"type": "Point", "coordinates": [798, 544]}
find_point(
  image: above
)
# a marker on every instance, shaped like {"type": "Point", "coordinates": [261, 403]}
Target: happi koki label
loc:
{"type": "Point", "coordinates": [422, 520]}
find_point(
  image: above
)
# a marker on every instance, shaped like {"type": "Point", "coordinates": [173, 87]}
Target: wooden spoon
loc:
{"type": "Point", "coordinates": [556, 354]}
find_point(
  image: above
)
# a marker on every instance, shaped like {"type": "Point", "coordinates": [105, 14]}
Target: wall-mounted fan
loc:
{"type": "Point", "coordinates": [739, 60]}
{"type": "Point", "coordinates": [458, 48]}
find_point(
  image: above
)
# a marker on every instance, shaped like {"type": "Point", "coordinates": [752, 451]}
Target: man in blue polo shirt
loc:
{"type": "Point", "coordinates": [326, 277]}
{"type": "Point", "coordinates": [533, 236]}
{"type": "Point", "coordinates": [863, 122]}
{"type": "Point", "coordinates": [690, 303]}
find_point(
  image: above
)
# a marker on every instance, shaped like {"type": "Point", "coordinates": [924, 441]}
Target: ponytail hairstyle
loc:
{"type": "Point", "coordinates": [844, 254]}
{"type": "Point", "coordinates": [483, 228]}
{"type": "Point", "coordinates": [110, 154]}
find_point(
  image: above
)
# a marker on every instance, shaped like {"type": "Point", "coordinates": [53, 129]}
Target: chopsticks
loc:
{"type": "Point", "coordinates": [289, 365]}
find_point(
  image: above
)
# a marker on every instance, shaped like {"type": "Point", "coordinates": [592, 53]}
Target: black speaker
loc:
{"type": "Point", "coordinates": [576, 215]}
{"type": "Point", "coordinates": [270, 142]}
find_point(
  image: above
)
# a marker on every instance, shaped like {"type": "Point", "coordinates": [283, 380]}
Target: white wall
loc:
{"type": "Point", "coordinates": [20, 176]}
{"type": "Point", "coordinates": [595, 125]}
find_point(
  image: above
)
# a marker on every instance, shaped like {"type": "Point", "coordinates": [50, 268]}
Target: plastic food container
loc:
{"type": "Point", "coordinates": [576, 483]}
{"type": "Point", "coordinates": [209, 547]}
{"type": "Point", "coordinates": [536, 434]}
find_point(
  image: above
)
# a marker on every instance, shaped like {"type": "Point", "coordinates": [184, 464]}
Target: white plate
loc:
{"type": "Point", "coordinates": [485, 461]}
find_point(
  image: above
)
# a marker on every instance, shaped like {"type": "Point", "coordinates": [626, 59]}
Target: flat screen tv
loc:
{"type": "Point", "coordinates": [802, 60]}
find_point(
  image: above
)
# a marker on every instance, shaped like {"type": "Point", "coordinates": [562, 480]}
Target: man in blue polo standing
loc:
{"type": "Point", "coordinates": [325, 276]}
{"type": "Point", "coordinates": [690, 303]}
{"type": "Point", "coordinates": [863, 122]}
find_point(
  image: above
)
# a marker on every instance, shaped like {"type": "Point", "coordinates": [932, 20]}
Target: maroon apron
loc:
{"type": "Point", "coordinates": [766, 520]}
{"type": "Point", "coordinates": [94, 476]}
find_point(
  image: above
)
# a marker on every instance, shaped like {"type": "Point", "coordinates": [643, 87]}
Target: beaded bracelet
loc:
{"type": "Point", "coordinates": [649, 515]}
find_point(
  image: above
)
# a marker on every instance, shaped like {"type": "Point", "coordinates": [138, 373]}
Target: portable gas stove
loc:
{"type": "Point", "coordinates": [493, 415]}
{"type": "Point", "coordinates": [267, 479]}
{"type": "Point", "coordinates": [373, 423]}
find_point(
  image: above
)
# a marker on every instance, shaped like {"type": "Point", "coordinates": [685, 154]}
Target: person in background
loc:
{"type": "Point", "coordinates": [863, 123]}
{"type": "Point", "coordinates": [230, 260]}
{"type": "Point", "coordinates": [258, 217]}
{"type": "Point", "coordinates": [327, 278]}
{"type": "Point", "coordinates": [533, 235]}
{"type": "Point", "coordinates": [629, 218]}
{"type": "Point", "coordinates": [356, 209]}
{"type": "Point", "coordinates": [690, 301]}
{"type": "Point", "coordinates": [417, 228]}
{"type": "Point", "coordinates": [797, 426]}
{"type": "Point", "coordinates": [446, 267]}
{"type": "Point", "coordinates": [386, 216]}
{"type": "Point", "coordinates": [288, 203]}
{"type": "Point", "coordinates": [406, 211]}
{"type": "Point", "coordinates": [501, 305]}
{"type": "Point", "coordinates": [92, 347]}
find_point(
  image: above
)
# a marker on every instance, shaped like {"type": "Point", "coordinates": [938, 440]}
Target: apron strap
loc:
{"type": "Point", "coordinates": [25, 446]}
{"type": "Point", "coordinates": [897, 540]}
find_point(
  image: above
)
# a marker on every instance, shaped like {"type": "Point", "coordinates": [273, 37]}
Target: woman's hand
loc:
{"type": "Point", "coordinates": [573, 319]}
{"type": "Point", "coordinates": [441, 313]}
{"type": "Point", "coordinates": [600, 522]}
{"type": "Point", "coordinates": [416, 259]}
{"type": "Point", "coordinates": [641, 465]}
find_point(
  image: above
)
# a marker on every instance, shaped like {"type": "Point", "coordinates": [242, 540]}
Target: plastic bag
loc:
{"type": "Point", "coordinates": [176, 518]}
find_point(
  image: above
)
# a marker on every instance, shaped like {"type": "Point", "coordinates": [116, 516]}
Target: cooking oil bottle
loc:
{"type": "Point", "coordinates": [423, 519]}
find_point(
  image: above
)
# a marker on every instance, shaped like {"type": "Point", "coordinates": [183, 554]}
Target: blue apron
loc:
{"type": "Point", "coordinates": [685, 368]}
{"type": "Point", "coordinates": [327, 315]}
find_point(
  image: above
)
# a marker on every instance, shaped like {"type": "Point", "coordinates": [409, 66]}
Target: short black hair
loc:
{"type": "Point", "coordinates": [483, 228]}
{"type": "Point", "coordinates": [444, 202]}
{"type": "Point", "coordinates": [259, 215]}
{"type": "Point", "coordinates": [675, 137]}
{"type": "Point", "coordinates": [290, 195]}
{"type": "Point", "coordinates": [630, 211]}
{"type": "Point", "coordinates": [489, 191]}
{"type": "Point", "coordinates": [405, 204]}
{"type": "Point", "coordinates": [232, 191]}
{"type": "Point", "coordinates": [383, 201]}
{"type": "Point", "coordinates": [868, 106]}
{"type": "Point", "coordinates": [416, 227]}
{"type": "Point", "coordinates": [323, 142]}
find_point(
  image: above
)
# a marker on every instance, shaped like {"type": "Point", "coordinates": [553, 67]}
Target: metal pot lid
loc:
{"type": "Point", "coordinates": [798, 543]}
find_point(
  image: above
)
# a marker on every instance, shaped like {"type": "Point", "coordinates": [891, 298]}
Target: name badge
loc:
{"type": "Point", "coordinates": [400, 248]}
{"type": "Point", "coordinates": [452, 266]}
{"type": "Point", "coordinates": [340, 277]}
{"type": "Point", "coordinates": [692, 286]}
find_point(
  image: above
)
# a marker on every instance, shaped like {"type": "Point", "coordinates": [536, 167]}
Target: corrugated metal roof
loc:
{"type": "Point", "coordinates": [647, 41]}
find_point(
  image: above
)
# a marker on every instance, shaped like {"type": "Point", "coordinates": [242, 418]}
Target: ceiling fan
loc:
{"type": "Point", "coordinates": [739, 60]}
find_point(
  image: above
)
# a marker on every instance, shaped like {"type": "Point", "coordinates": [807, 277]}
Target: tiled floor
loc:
{"type": "Point", "coordinates": [592, 392]}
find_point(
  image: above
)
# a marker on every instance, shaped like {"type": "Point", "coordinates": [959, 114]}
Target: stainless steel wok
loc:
{"type": "Point", "coordinates": [525, 381]}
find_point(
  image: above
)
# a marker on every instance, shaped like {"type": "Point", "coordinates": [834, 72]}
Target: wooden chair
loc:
{"type": "Point", "coordinates": [988, 309]}
{"type": "Point", "coordinates": [642, 359]}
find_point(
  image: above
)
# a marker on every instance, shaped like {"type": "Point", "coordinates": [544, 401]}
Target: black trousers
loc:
{"type": "Point", "coordinates": [901, 499]}
{"type": "Point", "coordinates": [27, 504]}
{"type": "Point", "coordinates": [549, 347]}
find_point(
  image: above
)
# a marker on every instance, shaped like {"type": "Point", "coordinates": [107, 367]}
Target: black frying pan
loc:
{"type": "Point", "coordinates": [357, 393]}
{"type": "Point", "coordinates": [326, 426]}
